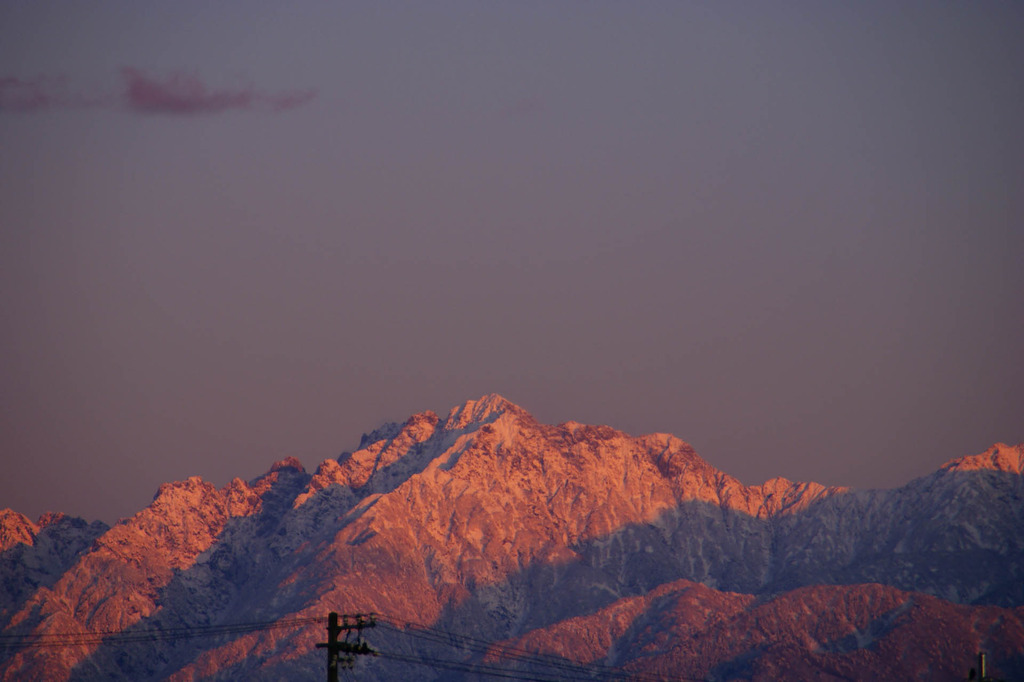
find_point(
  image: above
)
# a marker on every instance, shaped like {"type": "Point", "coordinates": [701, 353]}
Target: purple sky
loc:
{"type": "Point", "coordinates": [789, 233]}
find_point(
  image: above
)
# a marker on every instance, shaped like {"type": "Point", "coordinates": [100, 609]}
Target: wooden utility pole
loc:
{"type": "Point", "coordinates": [350, 649]}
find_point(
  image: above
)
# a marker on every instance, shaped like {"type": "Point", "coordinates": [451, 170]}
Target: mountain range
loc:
{"type": "Point", "coordinates": [489, 545]}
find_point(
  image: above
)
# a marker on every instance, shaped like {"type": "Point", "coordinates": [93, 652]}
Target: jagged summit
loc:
{"type": "Point", "coordinates": [999, 457]}
{"type": "Point", "coordinates": [18, 529]}
{"type": "Point", "coordinates": [15, 529]}
{"type": "Point", "coordinates": [481, 411]}
{"type": "Point", "coordinates": [288, 463]}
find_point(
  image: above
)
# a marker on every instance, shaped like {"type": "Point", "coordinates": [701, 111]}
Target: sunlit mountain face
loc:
{"type": "Point", "coordinates": [488, 545]}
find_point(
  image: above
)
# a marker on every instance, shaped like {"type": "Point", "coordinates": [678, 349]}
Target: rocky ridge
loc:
{"type": "Point", "coordinates": [561, 538]}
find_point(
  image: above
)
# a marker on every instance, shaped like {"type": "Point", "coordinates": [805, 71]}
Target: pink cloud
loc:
{"type": "Point", "coordinates": [175, 93]}
{"type": "Point", "coordinates": [33, 94]}
{"type": "Point", "coordinates": [181, 93]}
{"type": "Point", "coordinates": [289, 100]}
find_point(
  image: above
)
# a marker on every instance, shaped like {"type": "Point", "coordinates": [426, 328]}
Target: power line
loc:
{"type": "Point", "coordinates": [545, 667]}
{"type": "Point", "coordinates": [508, 652]}
{"type": "Point", "coordinates": [45, 640]}
{"type": "Point", "coordinates": [484, 647]}
{"type": "Point", "coordinates": [475, 668]}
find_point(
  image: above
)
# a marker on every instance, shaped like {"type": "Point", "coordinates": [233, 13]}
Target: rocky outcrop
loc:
{"type": "Point", "coordinates": [15, 529]}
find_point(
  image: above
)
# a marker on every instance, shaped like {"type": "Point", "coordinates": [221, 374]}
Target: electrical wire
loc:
{"type": "Point", "coordinates": [540, 667]}
{"type": "Point", "coordinates": [508, 652]}
{"type": "Point", "coordinates": [484, 648]}
{"type": "Point", "coordinates": [475, 668]}
{"type": "Point", "coordinates": [87, 637]}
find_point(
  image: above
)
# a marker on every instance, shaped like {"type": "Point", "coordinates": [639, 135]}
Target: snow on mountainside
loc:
{"type": "Point", "coordinates": [36, 555]}
{"type": "Point", "coordinates": [864, 632]}
{"type": "Point", "coordinates": [574, 540]}
{"type": "Point", "coordinates": [15, 529]}
{"type": "Point", "coordinates": [1000, 457]}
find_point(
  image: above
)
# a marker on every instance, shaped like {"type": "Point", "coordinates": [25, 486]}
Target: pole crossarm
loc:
{"type": "Point", "coordinates": [344, 652]}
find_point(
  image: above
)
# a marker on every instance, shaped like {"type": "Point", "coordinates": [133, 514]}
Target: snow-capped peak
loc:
{"type": "Point", "coordinates": [999, 457]}
{"type": "Point", "coordinates": [481, 411]}
{"type": "Point", "coordinates": [15, 529]}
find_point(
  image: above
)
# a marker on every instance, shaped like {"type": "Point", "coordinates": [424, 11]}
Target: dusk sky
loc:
{"type": "Point", "coordinates": [790, 233]}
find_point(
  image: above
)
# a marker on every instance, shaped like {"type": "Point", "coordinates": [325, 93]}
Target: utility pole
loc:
{"type": "Point", "coordinates": [980, 674]}
{"type": "Point", "coordinates": [350, 649]}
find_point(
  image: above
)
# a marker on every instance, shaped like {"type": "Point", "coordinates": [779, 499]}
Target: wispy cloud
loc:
{"type": "Point", "coordinates": [282, 101]}
{"type": "Point", "coordinates": [41, 92]}
{"type": "Point", "coordinates": [174, 93]}
{"type": "Point", "coordinates": [182, 93]}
